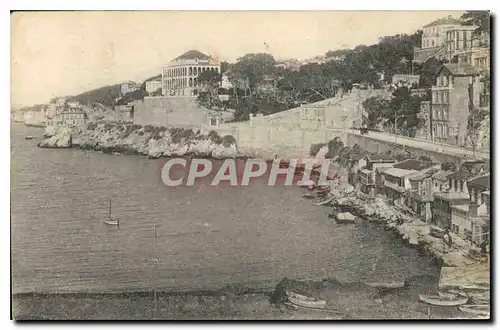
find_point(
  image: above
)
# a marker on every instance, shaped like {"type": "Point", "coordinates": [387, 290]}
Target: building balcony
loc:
{"type": "Point", "coordinates": [442, 88]}
{"type": "Point", "coordinates": [394, 186]}
{"type": "Point", "coordinates": [416, 195]}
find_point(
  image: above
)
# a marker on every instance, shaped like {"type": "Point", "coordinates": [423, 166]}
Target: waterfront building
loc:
{"type": "Point", "coordinates": [453, 97]}
{"type": "Point", "coordinates": [472, 220]}
{"type": "Point", "coordinates": [395, 185]}
{"type": "Point", "coordinates": [442, 207]}
{"type": "Point", "coordinates": [153, 86]}
{"type": "Point", "coordinates": [396, 179]}
{"type": "Point", "coordinates": [180, 77]}
{"type": "Point", "coordinates": [367, 174]}
{"type": "Point", "coordinates": [420, 195]}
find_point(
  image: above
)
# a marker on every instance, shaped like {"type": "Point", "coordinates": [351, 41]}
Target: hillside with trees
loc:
{"type": "Point", "coordinates": [261, 86]}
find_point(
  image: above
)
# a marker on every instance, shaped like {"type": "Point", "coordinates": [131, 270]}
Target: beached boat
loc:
{"type": "Point", "coordinates": [386, 285]}
{"type": "Point", "coordinates": [447, 295]}
{"type": "Point", "coordinates": [324, 202]}
{"type": "Point", "coordinates": [29, 137]}
{"type": "Point", "coordinates": [439, 301]}
{"type": "Point", "coordinates": [436, 232]}
{"type": "Point", "coordinates": [483, 310]}
{"type": "Point", "coordinates": [344, 217]}
{"type": "Point", "coordinates": [304, 301]}
{"type": "Point", "coordinates": [308, 196]}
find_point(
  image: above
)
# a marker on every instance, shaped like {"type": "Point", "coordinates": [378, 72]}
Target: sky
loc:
{"type": "Point", "coordinates": [66, 53]}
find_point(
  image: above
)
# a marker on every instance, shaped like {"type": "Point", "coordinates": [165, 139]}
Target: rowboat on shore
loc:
{"type": "Point", "coordinates": [304, 301]}
{"type": "Point", "coordinates": [308, 196]}
{"type": "Point", "coordinates": [447, 295]}
{"type": "Point", "coordinates": [483, 310]}
{"type": "Point", "coordinates": [29, 137]}
{"type": "Point", "coordinates": [436, 232]}
{"type": "Point", "coordinates": [386, 285]}
{"type": "Point", "coordinates": [344, 218]}
{"type": "Point", "coordinates": [324, 202]}
{"type": "Point", "coordinates": [439, 301]}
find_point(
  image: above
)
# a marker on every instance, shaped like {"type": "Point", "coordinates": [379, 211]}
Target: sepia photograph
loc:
{"type": "Point", "coordinates": [250, 165]}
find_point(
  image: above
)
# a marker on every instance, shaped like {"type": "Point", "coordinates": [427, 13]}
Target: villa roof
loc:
{"type": "Point", "coordinates": [191, 55]}
{"type": "Point", "coordinates": [449, 20]}
{"type": "Point", "coordinates": [459, 69]}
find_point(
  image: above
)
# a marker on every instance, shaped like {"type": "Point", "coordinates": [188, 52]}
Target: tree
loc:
{"type": "Point", "coordinates": [428, 72]}
{"type": "Point", "coordinates": [377, 109]}
{"type": "Point", "coordinates": [253, 67]}
{"type": "Point", "coordinates": [479, 18]}
{"type": "Point", "coordinates": [474, 121]}
{"type": "Point", "coordinates": [208, 94]}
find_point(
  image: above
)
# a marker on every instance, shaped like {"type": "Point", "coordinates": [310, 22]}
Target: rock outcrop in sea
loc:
{"type": "Point", "coordinates": [56, 137]}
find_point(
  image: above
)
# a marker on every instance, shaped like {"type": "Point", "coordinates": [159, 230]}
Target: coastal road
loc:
{"type": "Point", "coordinates": [422, 144]}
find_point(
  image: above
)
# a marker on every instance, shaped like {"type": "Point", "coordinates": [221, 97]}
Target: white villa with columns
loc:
{"type": "Point", "coordinates": [180, 77]}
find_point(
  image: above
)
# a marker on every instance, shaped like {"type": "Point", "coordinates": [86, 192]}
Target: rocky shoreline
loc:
{"type": "Point", "coordinates": [150, 141]}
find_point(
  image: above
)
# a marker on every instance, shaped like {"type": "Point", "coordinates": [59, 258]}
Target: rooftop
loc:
{"type": "Point", "coordinates": [468, 170]}
{"type": "Point", "coordinates": [191, 55]}
{"type": "Point", "coordinates": [459, 69]}
{"type": "Point", "coordinates": [398, 172]}
{"type": "Point", "coordinates": [449, 20]}
{"type": "Point", "coordinates": [464, 208]}
{"type": "Point", "coordinates": [422, 175]}
{"type": "Point", "coordinates": [413, 164]}
{"type": "Point", "coordinates": [380, 158]}
{"type": "Point", "coordinates": [442, 175]}
{"type": "Point", "coordinates": [421, 55]}
{"type": "Point", "coordinates": [481, 181]}
{"type": "Point", "coordinates": [453, 196]}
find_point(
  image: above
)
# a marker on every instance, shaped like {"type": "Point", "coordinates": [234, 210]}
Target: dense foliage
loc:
{"type": "Point", "coordinates": [259, 85]}
{"type": "Point", "coordinates": [398, 114]}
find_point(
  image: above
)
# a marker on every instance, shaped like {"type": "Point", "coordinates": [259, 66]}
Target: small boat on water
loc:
{"type": "Point", "coordinates": [29, 137]}
{"type": "Point", "coordinates": [344, 218]}
{"type": "Point", "coordinates": [304, 301]}
{"type": "Point", "coordinates": [324, 202]}
{"type": "Point", "coordinates": [439, 301]}
{"type": "Point", "coordinates": [482, 310]}
{"type": "Point", "coordinates": [109, 220]}
{"type": "Point", "coordinates": [436, 232]}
